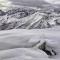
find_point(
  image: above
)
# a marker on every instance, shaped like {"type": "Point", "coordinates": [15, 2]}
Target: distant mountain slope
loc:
{"type": "Point", "coordinates": [28, 18]}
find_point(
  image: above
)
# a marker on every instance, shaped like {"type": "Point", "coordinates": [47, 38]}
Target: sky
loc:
{"type": "Point", "coordinates": [49, 1]}
{"type": "Point", "coordinates": [4, 4]}
{"type": "Point", "coordinates": [53, 1]}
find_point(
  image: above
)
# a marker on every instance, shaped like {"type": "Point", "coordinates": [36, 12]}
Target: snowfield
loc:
{"type": "Point", "coordinates": [29, 30]}
{"type": "Point", "coordinates": [22, 44]}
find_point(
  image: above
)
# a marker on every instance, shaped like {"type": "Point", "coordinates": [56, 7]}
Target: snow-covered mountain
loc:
{"type": "Point", "coordinates": [28, 18]}
{"type": "Point", "coordinates": [23, 44]}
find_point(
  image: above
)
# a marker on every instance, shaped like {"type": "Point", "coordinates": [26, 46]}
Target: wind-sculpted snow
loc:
{"type": "Point", "coordinates": [24, 44]}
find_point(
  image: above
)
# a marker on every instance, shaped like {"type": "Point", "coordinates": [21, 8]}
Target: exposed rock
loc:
{"type": "Point", "coordinates": [48, 51]}
{"type": "Point", "coordinates": [2, 13]}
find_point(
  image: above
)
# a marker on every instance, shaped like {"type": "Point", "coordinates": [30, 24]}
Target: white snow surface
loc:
{"type": "Point", "coordinates": [21, 44]}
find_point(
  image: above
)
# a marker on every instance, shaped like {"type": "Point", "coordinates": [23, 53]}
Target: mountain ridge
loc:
{"type": "Point", "coordinates": [29, 18]}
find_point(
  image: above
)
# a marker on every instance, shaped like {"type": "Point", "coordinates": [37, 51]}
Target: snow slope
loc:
{"type": "Point", "coordinates": [24, 44]}
{"type": "Point", "coordinates": [36, 20]}
{"type": "Point", "coordinates": [24, 17]}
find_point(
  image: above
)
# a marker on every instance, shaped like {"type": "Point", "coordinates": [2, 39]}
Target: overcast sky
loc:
{"type": "Point", "coordinates": [6, 3]}
{"type": "Point", "coordinates": [53, 1]}
{"type": "Point", "coordinates": [49, 1]}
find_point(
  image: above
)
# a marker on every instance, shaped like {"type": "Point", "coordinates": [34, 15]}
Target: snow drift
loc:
{"type": "Point", "coordinates": [27, 44]}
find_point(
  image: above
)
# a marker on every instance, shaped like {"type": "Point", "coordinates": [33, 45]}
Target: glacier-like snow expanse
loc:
{"type": "Point", "coordinates": [22, 44]}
